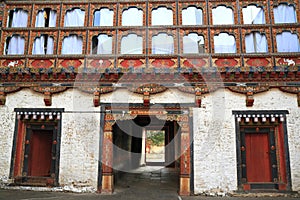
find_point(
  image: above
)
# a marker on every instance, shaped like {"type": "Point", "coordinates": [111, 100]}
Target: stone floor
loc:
{"type": "Point", "coordinates": [146, 183]}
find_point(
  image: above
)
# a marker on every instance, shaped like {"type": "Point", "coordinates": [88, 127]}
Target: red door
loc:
{"type": "Point", "coordinates": [39, 162]}
{"type": "Point", "coordinates": [258, 163]}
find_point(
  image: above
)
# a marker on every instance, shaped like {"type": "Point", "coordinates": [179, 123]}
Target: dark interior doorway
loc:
{"type": "Point", "coordinates": [131, 164]}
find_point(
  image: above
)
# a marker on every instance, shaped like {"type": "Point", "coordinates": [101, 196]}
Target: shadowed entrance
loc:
{"type": "Point", "coordinates": [124, 142]}
{"type": "Point", "coordinates": [146, 152]}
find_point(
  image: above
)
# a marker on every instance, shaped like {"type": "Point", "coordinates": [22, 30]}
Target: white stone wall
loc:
{"type": "Point", "coordinates": [79, 139]}
{"type": "Point", "coordinates": [214, 133]}
{"type": "Point", "coordinates": [79, 135]}
{"type": "Point", "coordinates": [214, 137]}
{"type": "Point", "coordinates": [21, 99]}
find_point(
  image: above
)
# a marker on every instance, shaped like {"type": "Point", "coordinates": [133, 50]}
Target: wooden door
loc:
{"type": "Point", "coordinates": [258, 162]}
{"type": "Point", "coordinates": [40, 153]}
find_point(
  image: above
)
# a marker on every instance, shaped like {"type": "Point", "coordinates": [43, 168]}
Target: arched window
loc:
{"type": "Point", "coordinates": [287, 42]}
{"type": "Point", "coordinates": [285, 13]}
{"type": "Point", "coordinates": [43, 45]}
{"type": "Point", "coordinates": [46, 18]}
{"type": "Point", "coordinates": [193, 43]}
{"type": "Point", "coordinates": [15, 45]}
{"type": "Point", "coordinates": [74, 17]}
{"type": "Point", "coordinates": [162, 44]}
{"type": "Point", "coordinates": [256, 43]}
{"type": "Point", "coordinates": [17, 18]}
{"type": "Point", "coordinates": [224, 43]}
{"type": "Point", "coordinates": [192, 16]}
{"type": "Point", "coordinates": [222, 15]}
{"type": "Point", "coordinates": [101, 44]}
{"type": "Point", "coordinates": [103, 17]}
{"type": "Point", "coordinates": [132, 17]}
{"type": "Point", "coordinates": [162, 16]}
{"type": "Point", "coordinates": [132, 44]}
{"type": "Point", "coordinates": [253, 15]}
{"type": "Point", "coordinates": [72, 45]}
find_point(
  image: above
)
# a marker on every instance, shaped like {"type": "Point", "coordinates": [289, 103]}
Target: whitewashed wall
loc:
{"type": "Point", "coordinates": [214, 134]}
{"type": "Point", "coordinates": [21, 99]}
{"type": "Point", "coordinates": [79, 136]}
{"type": "Point", "coordinates": [214, 137]}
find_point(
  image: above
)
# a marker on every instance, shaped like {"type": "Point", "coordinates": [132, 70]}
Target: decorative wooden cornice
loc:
{"type": "Point", "coordinates": [48, 91]}
{"type": "Point", "coordinates": [249, 91]}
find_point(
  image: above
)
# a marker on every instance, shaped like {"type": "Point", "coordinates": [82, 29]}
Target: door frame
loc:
{"type": "Point", "coordinates": [28, 119]}
{"type": "Point", "coordinates": [182, 114]}
{"type": "Point", "coordinates": [273, 122]}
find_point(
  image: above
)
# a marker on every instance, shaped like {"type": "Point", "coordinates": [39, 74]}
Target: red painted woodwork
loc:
{"type": "Point", "coordinates": [258, 158]}
{"type": "Point", "coordinates": [39, 162]}
{"type": "Point", "coordinates": [41, 63]}
{"type": "Point", "coordinates": [19, 148]}
{"type": "Point", "coordinates": [282, 166]}
{"type": "Point", "coordinates": [194, 63]}
{"type": "Point", "coordinates": [247, 186]}
{"type": "Point", "coordinates": [100, 63]}
{"type": "Point", "coordinates": [131, 63]}
{"type": "Point", "coordinates": [75, 63]}
{"type": "Point", "coordinates": [257, 62]}
{"type": "Point", "coordinates": [224, 62]}
{"type": "Point", "coordinates": [163, 63]}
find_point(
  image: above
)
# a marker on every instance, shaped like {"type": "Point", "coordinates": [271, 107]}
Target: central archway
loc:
{"type": "Point", "coordinates": [123, 144]}
{"type": "Point", "coordinates": [146, 154]}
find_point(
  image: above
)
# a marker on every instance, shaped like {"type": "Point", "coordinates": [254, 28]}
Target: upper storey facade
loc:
{"type": "Point", "coordinates": [220, 41]}
{"type": "Point", "coordinates": [148, 28]}
{"type": "Point", "coordinates": [243, 41]}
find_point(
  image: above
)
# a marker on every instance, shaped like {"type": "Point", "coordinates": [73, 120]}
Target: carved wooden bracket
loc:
{"type": "Point", "coordinates": [146, 97]}
{"type": "Point", "coordinates": [48, 91]}
{"type": "Point", "coordinates": [198, 97]}
{"type": "Point", "coordinates": [249, 91]}
{"type": "Point", "coordinates": [249, 99]}
{"type": "Point", "coordinates": [151, 88]}
{"type": "Point", "coordinates": [48, 98]}
{"type": "Point", "coordinates": [96, 91]}
{"type": "Point", "coordinates": [2, 98]}
{"type": "Point", "coordinates": [199, 90]}
{"type": "Point", "coordinates": [96, 98]}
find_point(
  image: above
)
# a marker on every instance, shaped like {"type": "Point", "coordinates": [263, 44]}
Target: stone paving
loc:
{"type": "Point", "coordinates": [134, 193]}
{"type": "Point", "coordinates": [145, 185]}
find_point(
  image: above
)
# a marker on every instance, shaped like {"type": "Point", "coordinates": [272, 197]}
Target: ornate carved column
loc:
{"type": "Point", "coordinates": [185, 168]}
{"type": "Point", "coordinates": [107, 156]}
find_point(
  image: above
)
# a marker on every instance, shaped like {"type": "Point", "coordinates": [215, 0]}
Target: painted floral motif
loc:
{"type": "Point", "coordinates": [163, 63]}
{"type": "Point", "coordinates": [257, 62]}
{"type": "Point", "coordinates": [224, 62]}
{"type": "Point", "coordinates": [73, 63]}
{"type": "Point", "coordinates": [131, 63]}
{"type": "Point", "coordinates": [41, 64]}
{"type": "Point", "coordinates": [194, 63]}
{"type": "Point", "coordinates": [100, 63]}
